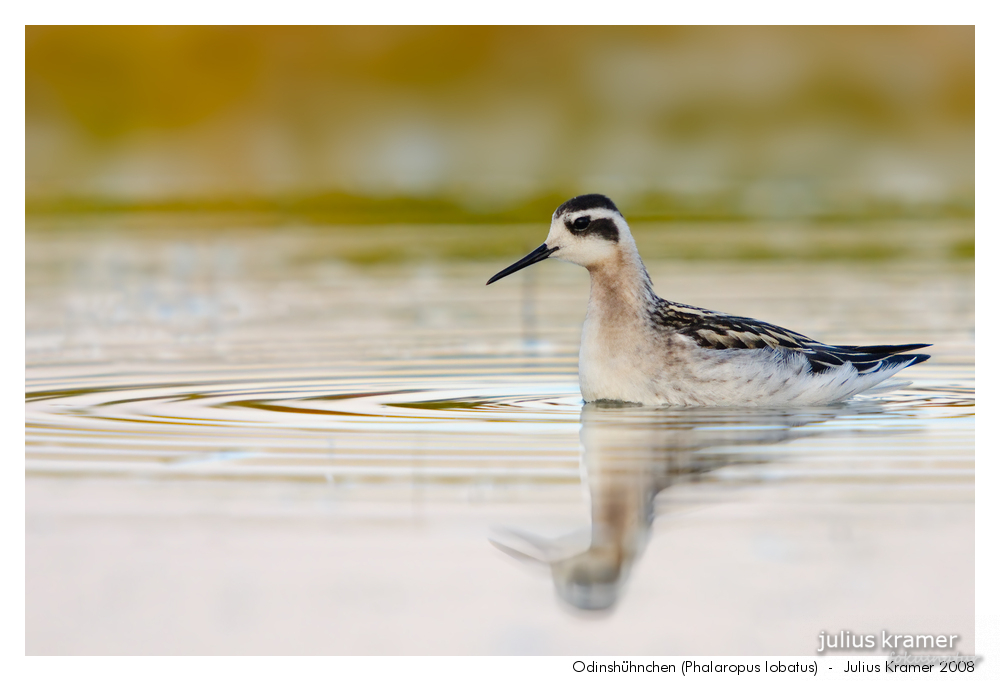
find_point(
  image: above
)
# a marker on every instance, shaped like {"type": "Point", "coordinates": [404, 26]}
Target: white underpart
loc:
{"type": "Point", "coordinates": [682, 373]}
{"type": "Point", "coordinates": [624, 356]}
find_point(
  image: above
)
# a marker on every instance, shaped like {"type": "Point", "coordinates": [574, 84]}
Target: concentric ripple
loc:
{"type": "Point", "coordinates": [246, 423]}
{"type": "Point", "coordinates": [380, 422]}
{"type": "Point", "coordinates": [259, 355]}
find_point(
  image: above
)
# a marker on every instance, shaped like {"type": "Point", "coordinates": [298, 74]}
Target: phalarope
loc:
{"type": "Point", "coordinates": [637, 347]}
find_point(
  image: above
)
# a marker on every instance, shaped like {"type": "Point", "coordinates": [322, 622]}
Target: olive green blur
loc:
{"type": "Point", "coordinates": [486, 125]}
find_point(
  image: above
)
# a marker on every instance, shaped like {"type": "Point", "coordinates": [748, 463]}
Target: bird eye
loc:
{"type": "Point", "coordinates": [581, 222]}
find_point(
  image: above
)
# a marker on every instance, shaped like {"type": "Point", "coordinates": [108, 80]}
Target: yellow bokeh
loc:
{"type": "Point", "coordinates": [758, 120]}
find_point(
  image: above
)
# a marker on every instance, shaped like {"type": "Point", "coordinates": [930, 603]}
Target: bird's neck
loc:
{"type": "Point", "coordinates": [621, 283]}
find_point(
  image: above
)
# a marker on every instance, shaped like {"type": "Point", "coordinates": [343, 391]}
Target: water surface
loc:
{"type": "Point", "coordinates": [243, 440]}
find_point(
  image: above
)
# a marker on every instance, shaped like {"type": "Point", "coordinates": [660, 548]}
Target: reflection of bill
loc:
{"type": "Point", "coordinates": [631, 454]}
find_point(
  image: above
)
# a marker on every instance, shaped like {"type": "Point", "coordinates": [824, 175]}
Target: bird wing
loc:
{"type": "Point", "coordinates": [725, 332]}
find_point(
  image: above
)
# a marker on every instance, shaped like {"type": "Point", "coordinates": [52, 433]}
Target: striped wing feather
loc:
{"type": "Point", "coordinates": [721, 332]}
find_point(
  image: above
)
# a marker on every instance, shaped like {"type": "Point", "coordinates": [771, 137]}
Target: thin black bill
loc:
{"type": "Point", "coordinates": [537, 255]}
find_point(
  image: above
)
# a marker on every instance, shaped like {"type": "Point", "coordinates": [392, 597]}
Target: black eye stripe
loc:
{"type": "Point", "coordinates": [604, 228]}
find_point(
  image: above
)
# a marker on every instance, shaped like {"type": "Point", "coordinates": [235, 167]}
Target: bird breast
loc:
{"type": "Point", "coordinates": [618, 356]}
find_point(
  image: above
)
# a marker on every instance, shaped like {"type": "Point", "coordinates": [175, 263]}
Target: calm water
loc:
{"type": "Point", "coordinates": [240, 441]}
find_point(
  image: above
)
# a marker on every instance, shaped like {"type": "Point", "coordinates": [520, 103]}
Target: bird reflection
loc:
{"type": "Point", "coordinates": [631, 454]}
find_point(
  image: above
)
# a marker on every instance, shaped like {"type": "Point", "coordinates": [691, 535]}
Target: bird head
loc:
{"type": "Point", "coordinates": [586, 230]}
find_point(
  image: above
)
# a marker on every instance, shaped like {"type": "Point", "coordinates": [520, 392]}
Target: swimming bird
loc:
{"type": "Point", "coordinates": [637, 347]}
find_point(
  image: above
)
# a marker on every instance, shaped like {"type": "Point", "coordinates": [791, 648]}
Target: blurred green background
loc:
{"type": "Point", "coordinates": [500, 124]}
